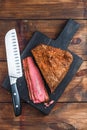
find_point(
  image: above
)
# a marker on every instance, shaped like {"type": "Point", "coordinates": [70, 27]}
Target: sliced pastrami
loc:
{"type": "Point", "coordinates": [37, 90]}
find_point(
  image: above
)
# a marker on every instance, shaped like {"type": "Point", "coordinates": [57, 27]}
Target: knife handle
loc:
{"type": "Point", "coordinates": [16, 100]}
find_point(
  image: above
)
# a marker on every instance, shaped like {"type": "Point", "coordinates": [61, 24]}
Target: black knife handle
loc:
{"type": "Point", "coordinates": [16, 100]}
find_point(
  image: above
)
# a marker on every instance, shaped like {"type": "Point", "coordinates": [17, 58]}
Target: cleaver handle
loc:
{"type": "Point", "coordinates": [16, 100]}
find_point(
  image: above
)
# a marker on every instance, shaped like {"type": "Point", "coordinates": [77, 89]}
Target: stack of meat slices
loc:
{"type": "Point", "coordinates": [53, 63]}
{"type": "Point", "coordinates": [37, 90]}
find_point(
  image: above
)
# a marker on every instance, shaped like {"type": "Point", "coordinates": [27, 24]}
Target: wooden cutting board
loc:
{"type": "Point", "coordinates": [62, 42]}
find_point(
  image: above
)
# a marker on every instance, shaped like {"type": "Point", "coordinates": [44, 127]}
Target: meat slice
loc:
{"type": "Point", "coordinates": [37, 90]}
{"type": "Point", "coordinates": [54, 63]}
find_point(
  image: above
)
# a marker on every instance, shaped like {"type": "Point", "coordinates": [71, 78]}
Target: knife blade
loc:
{"type": "Point", "coordinates": [14, 67]}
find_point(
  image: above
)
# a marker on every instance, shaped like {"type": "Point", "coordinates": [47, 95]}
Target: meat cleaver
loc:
{"type": "Point", "coordinates": [14, 67]}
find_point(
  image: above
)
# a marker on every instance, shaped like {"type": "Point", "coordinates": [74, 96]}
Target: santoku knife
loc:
{"type": "Point", "coordinates": [14, 67]}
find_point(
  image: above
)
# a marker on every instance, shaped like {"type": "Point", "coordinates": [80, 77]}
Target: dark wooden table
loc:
{"type": "Point", "coordinates": [49, 17]}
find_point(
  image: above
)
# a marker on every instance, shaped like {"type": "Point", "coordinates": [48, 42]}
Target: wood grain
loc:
{"type": "Point", "coordinates": [49, 17]}
{"type": "Point", "coordinates": [64, 116]}
{"type": "Point", "coordinates": [52, 28]}
{"type": "Point", "coordinates": [43, 9]}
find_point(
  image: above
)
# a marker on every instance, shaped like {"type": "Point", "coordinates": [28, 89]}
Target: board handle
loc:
{"type": "Point", "coordinates": [66, 35]}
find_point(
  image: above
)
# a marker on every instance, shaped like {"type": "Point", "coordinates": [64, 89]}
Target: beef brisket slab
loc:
{"type": "Point", "coordinates": [54, 63]}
